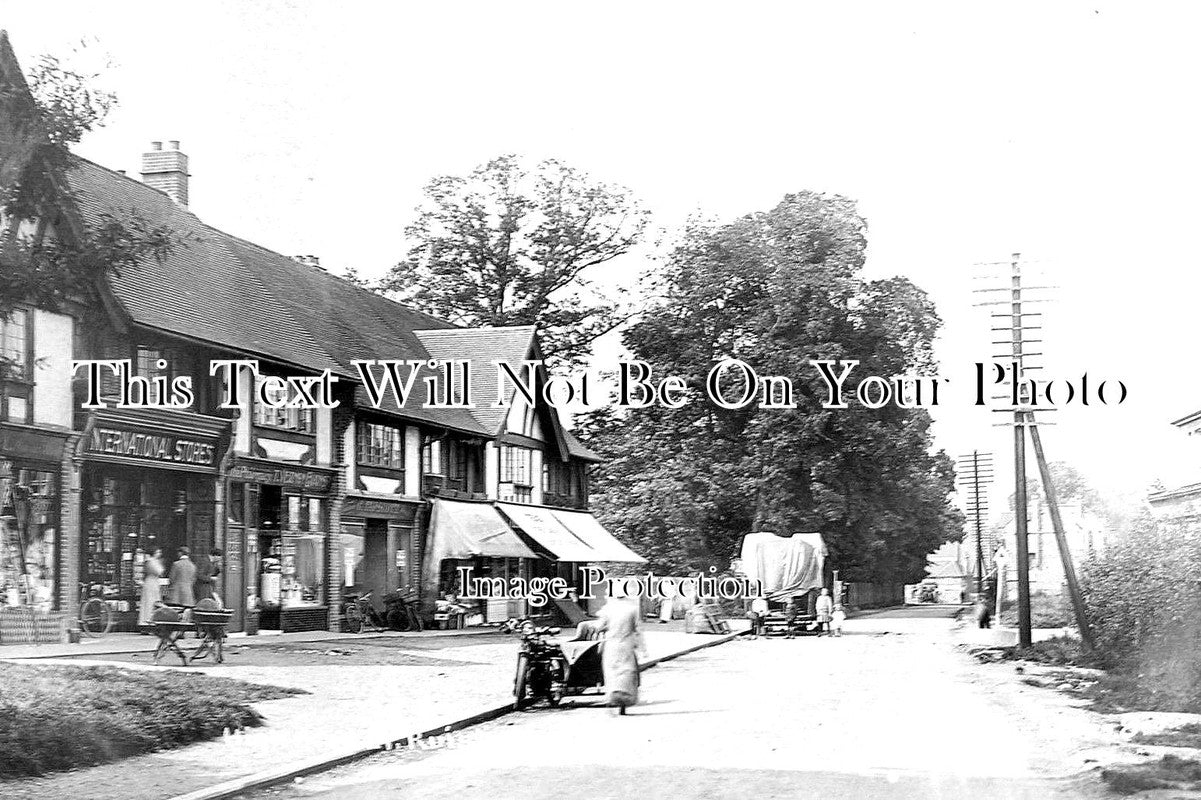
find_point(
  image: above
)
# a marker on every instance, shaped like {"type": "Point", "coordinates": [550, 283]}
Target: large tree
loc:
{"type": "Point", "coordinates": [776, 289]}
{"type": "Point", "coordinates": [39, 121]}
{"type": "Point", "coordinates": [509, 245]}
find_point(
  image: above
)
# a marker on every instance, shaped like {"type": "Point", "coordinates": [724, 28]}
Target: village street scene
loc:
{"type": "Point", "coordinates": [507, 400]}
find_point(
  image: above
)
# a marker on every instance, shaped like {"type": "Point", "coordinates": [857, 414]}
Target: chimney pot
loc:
{"type": "Point", "coordinates": [167, 171]}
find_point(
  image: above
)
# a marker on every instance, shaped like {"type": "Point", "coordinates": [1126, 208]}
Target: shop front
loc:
{"type": "Point", "coordinates": [148, 484]}
{"type": "Point", "coordinates": [379, 546]}
{"type": "Point", "coordinates": [277, 531]}
{"type": "Point", "coordinates": [30, 515]}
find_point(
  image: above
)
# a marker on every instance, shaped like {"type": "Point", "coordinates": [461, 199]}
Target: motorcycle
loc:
{"type": "Point", "coordinates": [549, 670]}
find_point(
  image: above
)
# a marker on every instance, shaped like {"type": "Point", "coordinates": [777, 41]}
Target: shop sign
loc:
{"type": "Point", "coordinates": [401, 559]}
{"type": "Point", "coordinates": [282, 476]}
{"type": "Point", "coordinates": [161, 448]}
{"type": "Point", "coordinates": [370, 507]}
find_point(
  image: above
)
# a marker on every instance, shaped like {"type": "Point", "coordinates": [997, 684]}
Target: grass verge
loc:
{"type": "Point", "coordinates": [61, 717]}
{"type": "Point", "coordinates": [1170, 772]}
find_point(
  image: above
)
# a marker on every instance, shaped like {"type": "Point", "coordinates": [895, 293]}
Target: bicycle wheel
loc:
{"type": "Point", "coordinates": [354, 617]}
{"type": "Point", "coordinates": [95, 618]}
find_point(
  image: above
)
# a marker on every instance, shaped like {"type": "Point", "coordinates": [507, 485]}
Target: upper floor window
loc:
{"type": "Point", "coordinates": [16, 357]}
{"type": "Point", "coordinates": [516, 465]}
{"type": "Point", "coordinates": [433, 460]}
{"type": "Point", "coordinates": [14, 344]}
{"type": "Point", "coordinates": [300, 420]}
{"type": "Point", "coordinates": [381, 445]}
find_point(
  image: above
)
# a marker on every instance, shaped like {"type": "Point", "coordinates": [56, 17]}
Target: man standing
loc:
{"type": "Point", "coordinates": [183, 575]}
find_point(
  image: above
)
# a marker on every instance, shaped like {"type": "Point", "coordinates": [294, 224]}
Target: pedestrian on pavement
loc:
{"type": "Point", "coordinates": [206, 576]}
{"type": "Point", "coordinates": [623, 645]}
{"type": "Point", "coordinates": [758, 615]}
{"type": "Point", "coordinates": [795, 609]}
{"type": "Point", "coordinates": [152, 593]}
{"type": "Point", "coordinates": [837, 618]}
{"type": "Point", "coordinates": [183, 576]}
{"type": "Point", "coordinates": [825, 611]}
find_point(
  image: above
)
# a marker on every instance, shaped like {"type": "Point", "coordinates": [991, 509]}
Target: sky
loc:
{"type": "Point", "coordinates": [966, 132]}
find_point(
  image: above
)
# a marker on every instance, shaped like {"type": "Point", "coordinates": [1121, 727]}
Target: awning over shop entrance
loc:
{"type": "Point", "coordinates": [467, 530]}
{"type": "Point", "coordinates": [569, 535]}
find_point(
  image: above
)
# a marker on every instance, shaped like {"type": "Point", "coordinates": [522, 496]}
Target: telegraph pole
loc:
{"type": "Point", "coordinates": [975, 471]}
{"type": "Point", "coordinates": [1024, 399]}
{"type": "Point", "coordinates": [1021, 514]}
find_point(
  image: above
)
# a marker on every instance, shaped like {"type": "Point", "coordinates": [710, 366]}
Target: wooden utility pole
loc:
{"type": "Point", "coordinates": [1024, 408]}
{"type": "Point", "coordinates": [1069, 570]}
{"type": "Point", "coordinates": [975, 473]}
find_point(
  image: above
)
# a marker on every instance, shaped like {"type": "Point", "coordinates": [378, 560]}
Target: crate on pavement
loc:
{"type": "Point", "coordinates": [20, 625]}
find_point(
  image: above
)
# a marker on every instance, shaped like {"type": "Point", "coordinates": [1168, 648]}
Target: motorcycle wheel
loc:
{"type": "Point", "coordinates": [520, 689]}
{"type": "Point", "coordinates": [354, 617]}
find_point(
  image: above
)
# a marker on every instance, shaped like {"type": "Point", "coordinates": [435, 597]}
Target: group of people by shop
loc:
{"type": "Point", "coordinates": [829, 615]}
{"type": "Point", "coordinates": [187, 582]}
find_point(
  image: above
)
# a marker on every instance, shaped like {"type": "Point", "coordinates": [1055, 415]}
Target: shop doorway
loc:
{"type": "Point", "coordinates": [375, 561]}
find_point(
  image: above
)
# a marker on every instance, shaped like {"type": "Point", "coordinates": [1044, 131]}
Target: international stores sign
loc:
{"type": "Point", "coordinates": [154, 447]}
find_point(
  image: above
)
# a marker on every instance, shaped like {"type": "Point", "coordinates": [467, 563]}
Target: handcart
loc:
{"type": "Point", "coordinates": [210, 629]}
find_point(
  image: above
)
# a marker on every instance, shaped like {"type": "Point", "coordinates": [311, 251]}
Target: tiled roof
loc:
{"type": "Point", "coordinates": [482, 346]}
{"type": "Point", "coordinates": [232, 293]}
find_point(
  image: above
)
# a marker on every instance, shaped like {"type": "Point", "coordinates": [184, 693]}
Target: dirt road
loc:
{"type": "Point", "coordinates": [891, 709]}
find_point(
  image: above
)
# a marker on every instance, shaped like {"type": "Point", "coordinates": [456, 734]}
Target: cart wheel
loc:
{"type": "Point", "coordinates": [520, 689]}
{"type": "Point", "coordinates": [158, 652]}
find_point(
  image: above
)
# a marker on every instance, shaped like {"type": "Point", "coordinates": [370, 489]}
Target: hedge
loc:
{"type": "Point", "coordinates": [62, 717]}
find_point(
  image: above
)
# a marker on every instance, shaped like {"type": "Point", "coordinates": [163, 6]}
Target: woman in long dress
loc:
{"type": "Point", "coordinates": [619, 658]}
{"type": "Point", "coordinates": [152, 569]}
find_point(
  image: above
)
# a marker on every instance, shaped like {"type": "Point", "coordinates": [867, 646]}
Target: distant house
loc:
{"type": "Point", "coordinates": [1180, 505]}
{"type": "Point", "coordinates": [1086, 533]}
{"type": "Point", "coordinates": [947, 570]}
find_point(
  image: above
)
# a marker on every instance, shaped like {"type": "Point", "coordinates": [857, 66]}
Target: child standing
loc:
{"type": "Point", "coordinates": [837, 618]}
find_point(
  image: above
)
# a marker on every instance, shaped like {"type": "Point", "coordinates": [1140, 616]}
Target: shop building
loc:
{"type": "Point", "coordinates": [303, 504]}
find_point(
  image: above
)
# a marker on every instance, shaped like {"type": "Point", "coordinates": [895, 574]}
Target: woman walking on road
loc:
{"type": "Point", "coordinates": [619, 658]}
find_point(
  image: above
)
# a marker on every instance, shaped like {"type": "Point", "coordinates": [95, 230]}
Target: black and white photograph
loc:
{"type": "Point", "coordinates": [516, 400]}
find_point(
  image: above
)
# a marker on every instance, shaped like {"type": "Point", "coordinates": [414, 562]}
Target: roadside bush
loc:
{"type": "Point", "coordinates": [1046, 611]}
{"type": "Point", "coordinates": [56, 717]}
{"type": "Point", "coordinates": [1143, 601]}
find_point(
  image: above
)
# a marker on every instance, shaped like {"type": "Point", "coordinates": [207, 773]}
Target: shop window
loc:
{"type": "Point", "coordinates": [380, 445]}
{"type": "Point", "coordinates": [298, 420]}
{"type": "Point", "coordinates": [352, 558]}
{"type": "Point", "coordinates": [33, 581]}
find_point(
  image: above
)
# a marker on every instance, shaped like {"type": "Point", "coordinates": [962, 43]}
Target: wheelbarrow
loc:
{"type": "Point", "coordinates": [209, 626]}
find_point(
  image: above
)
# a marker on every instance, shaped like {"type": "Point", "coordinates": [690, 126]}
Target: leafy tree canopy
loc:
{"type": "Point", "coordinates": [511, 245]}
{"type": "Point", "coordinates": [776, 289]}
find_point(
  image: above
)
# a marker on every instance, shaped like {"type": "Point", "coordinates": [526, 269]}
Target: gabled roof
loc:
{"type": "Point", "coordinates": [482, 346]}
{"type": "Point", "coordinates": [20, 130]}
{"type": "Point", "coordinates": [231, 293]}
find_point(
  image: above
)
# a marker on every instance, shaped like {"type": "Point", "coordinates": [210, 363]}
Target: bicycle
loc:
{"type": "Point", "coordinates": [95, 617]}
{"type": "Point", "coordinates": [358, 610]}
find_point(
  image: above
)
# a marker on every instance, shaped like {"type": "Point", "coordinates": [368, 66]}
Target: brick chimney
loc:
{"type": "Point", "coordinates": [167, 171]}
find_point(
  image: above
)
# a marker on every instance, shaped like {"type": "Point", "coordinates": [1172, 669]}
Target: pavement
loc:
{"type": "Point", "coordinates": [363, 691]}
{"type": "Point", "coordinates": [892, 709]}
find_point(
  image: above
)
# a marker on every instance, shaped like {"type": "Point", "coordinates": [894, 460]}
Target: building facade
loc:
{"type": "Point", "coordinates": [293, 507]}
